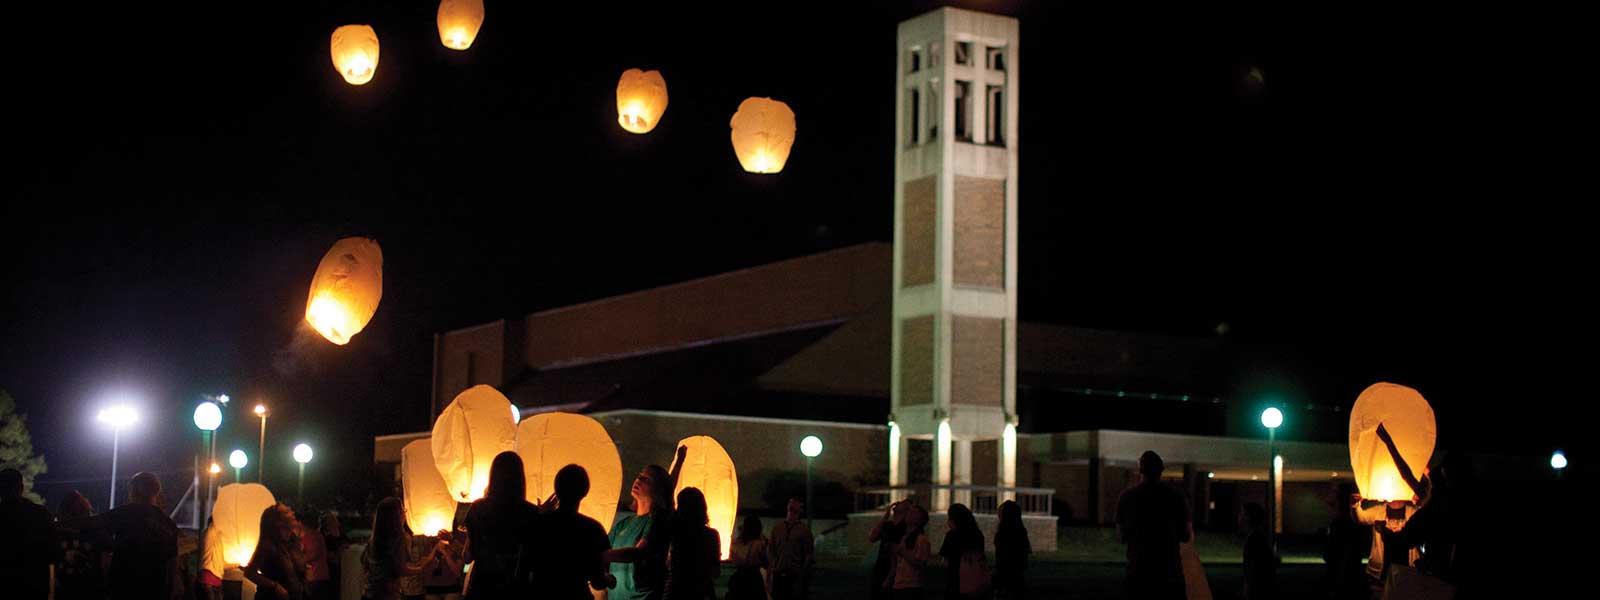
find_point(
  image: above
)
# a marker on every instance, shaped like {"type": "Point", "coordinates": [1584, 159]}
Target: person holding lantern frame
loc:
{"type": "Point", "coordinates": [1388, 520]}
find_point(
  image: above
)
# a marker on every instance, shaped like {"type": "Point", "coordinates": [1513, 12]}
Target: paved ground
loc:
{"type": "Point", "coordinates": [843, 577]}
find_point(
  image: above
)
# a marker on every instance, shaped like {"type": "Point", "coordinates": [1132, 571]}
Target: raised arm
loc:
{"type": "Point", "coordinates": [1399, 461]}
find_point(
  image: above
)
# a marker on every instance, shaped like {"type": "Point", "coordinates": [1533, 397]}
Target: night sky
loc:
{"type": "Point", "coordinates": [1383, 208]}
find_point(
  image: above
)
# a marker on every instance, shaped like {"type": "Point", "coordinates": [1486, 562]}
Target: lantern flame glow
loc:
{"type": "Point", "coordinates": [1409, 420]}
{"type": "Point", "coordinates": [346, 289]}
{"type": "Point", "coordinates": [429, 507]}
{"type": "Point", "coordinates": [354, 49]}
{"type": "Point", "coordinates": [641, 100]}
{"type": "Point", "coordinates": [459, 21]}
{"type": "Point", "coordinates": [763, 132]}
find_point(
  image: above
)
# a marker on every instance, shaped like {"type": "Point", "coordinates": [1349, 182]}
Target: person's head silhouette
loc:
{"type": "Point", "coordinates": [75, 505]}
{"type": "Point", "coordinates": [145, 488]}
{"type": "Point", "coordinates": [506, 481]}
{"type": "Point", "coordinates": [751, 529]}
{"type": "Point", "coordinates": [1150, 465]}
{"type": "Point", "coordinates": [1255, 517]}
{"type": "Point", "coordinates": [572, 485]}
{"type": "Point", "coordinates": [692, 508]}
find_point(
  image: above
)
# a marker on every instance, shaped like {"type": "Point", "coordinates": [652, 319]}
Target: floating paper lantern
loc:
{"type": "Point", "coordinates": [429, 506]}
{"type": "Point", "coordinates": [641, 100]}
{"type": "Point", "coordinates": [709, 468]}
{"type": "Point", "coordinates": [763, 132]}
{"type": "Point", "coordinates": [1409, 420]}
{"type": "Point", "coordinates": [346, 289]}
{"type": "Point", "coordinates": [459, 21]}
{"type": "Point", "coordinates": [549, 441]}
{"type": "Point", "coordinates": [355, 53]}
{"type": "Point", "coordinates": [237, 517]}
{"type": "Point", "coordinates": [471, 431]}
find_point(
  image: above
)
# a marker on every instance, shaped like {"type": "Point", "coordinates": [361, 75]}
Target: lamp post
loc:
{"type": "Point", "coordinates": [1272, 418]}
{"type": "Point", "coordinates": [811, 446]}
{"type": "Point", "coordinates": [116, 417]}
{"type": "Point", "coordinates": [302, 455]}
{"type": "Point", "coordinates": [237, 460]}
{"type": "Point", "coordinates": [207, 417]}
{"type": "Point", "coordinates": [261, 451]}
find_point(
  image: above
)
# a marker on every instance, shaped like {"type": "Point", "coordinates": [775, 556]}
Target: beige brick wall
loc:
{"type": "Point", "coordinates": [919, 228]}
{"type": "Point", "coordinates": [916, 361]}
{"type": "Point", "coordinates": [980, 232]}
{"type": "Point", "coordinates": [977, 360]}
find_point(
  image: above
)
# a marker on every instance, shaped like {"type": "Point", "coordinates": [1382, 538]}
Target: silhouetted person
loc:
{"type": "Point", "coordinates": [213, 565]}
{"type": "Point", "coordinates": [443, 581]}
{"type": "Point", "coordinates": [1011, 550]}
{"type": "Point", "coordinates": [572, 546]}
{"type": "Point", "coordinates": [81, 566]}
{"type": "Point", "coordinates": [498, 528]}
{"type": "Point", "coordinates": [911, 557]}
{"type": "Point", "coordinates": [144, 547]}
{"type": "Point", "coordinates": [1443, 521]}
{"type": "Point", "coordinates": [333, 538]}
{"type": "Point", "coordinates": [793, 552]}
{"type": "Point", "coordinates": [886, 533]}
{"type": "Point", "coordinates": [1348, 542]}
{"type": "Point", "coordinates": [1387, 519]}
{"type": "Point", "coordinates": [966, 567]}
{"type": "Point", "coordinates": [1152, 519]}
{"type": "Point", "coordinates": [638, 553]}
{"type": "Point", "coordinates": [278, 566]}
{"type": "Point", "coordinates": [319, 581]}
{"type": "Point", "coordinates": [748, 556]}
{"type": "Point", "coordinates": [386, 559]}
{"type": "Point", "coordinates": [27, 541]}
{"type": "Point", "coordinates": [1260, 563]}
{"type": "Point", "coordinates": [695, 552]}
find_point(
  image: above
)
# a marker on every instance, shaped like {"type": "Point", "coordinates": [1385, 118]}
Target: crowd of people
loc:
{"type": "Point", "coordinates": [509, 547]}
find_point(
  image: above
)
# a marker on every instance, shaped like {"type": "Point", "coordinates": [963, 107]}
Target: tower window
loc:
{"type": "Point", "coordinates": [997, 58]}
{"type": "Point", "coordinates": [935, 114]}
{"type": "Point", "coordinates": [914, 60]}
{"type": "Point", "coordinates": [914, 127]}
{"type": "Point", "coordinates": [995, 124]}
{"type": "Point", "coordinates": [963, 116]}
{"type": "Point", "coordinates": [933, 54]}
{"type": "Point", "coordinates": [963, 53]}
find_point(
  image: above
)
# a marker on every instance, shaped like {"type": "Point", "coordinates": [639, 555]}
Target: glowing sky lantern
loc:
{"type": "Point", "coordinates": [429, 507]}
{"type": "Point", "coordinates": [709, 468]}
{"type": "Point", "coordinates": [459, 21]}
{"type": "Point", "coordinates": [641, 100]}
{"type": "Point", "coordinates": [549, 441]}
{"type": "Point", "coordinates": [346, 289]}
{"type": "Point", "coordinates": [354, 49]}
{"type": "Point", "coordinates": [474, 428]}
{"type": "Point", "coordinates": [763, 132]}
{"type": "Point", "coordinates": [1409, 420]}
{"type": "Point", "coordinates": [237, 517]}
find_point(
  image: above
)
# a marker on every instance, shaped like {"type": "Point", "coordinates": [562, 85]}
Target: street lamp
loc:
{"type": "Point", "coordinates": [302, 455]}
{"type": "Point", "coordinates": [261, 469]}
{"type": "Point", "coordinates": [1272, 418]}
{"type": "Point", "coordinates": [1558, 461]}
{"type": "Point", "coordinates": [237, 460]}
{"type": "Point", "coordinates": [811, 446]}
{"type": "Point", "coordinates": [116, 417]}
{"type": "Point", "coordinates": [208, 417]}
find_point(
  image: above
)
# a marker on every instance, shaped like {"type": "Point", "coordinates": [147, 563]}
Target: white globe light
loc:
{"type": "Point", "coordinates": [302, 454]}
{"type": "Point", "coordinates": [118, 416]}
{"type": "Point", "coordinates": [811, 446]}
{"type": "Point", "coordinates": [516, 414]}
{"type": "Point", "coordinates": [1558, 460]}
{"type": "Point", "coordinates": [1272, 417]}
{"type": "Point", "coordinates": [238, 459]}
{"type": "Point", "coordinates": [207, 416]}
